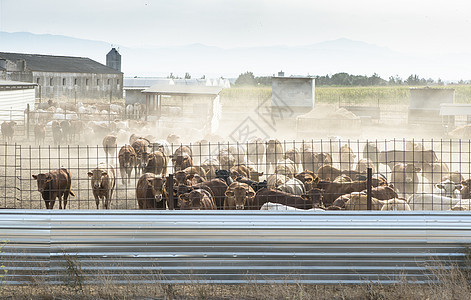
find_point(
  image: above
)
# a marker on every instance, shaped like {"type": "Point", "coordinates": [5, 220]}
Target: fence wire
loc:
{"type": "Point", "coordinates": [425, 174]}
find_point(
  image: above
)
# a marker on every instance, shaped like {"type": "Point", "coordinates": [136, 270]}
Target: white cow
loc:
{"type": "Point", "coordinates": [431, 202]}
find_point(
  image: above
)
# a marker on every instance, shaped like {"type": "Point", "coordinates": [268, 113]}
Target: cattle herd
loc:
{"type": "Point", "coordinates": [265, 175]}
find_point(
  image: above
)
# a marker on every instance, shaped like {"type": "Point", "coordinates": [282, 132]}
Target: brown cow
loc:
{"type": "Point", "coordinates": [127, 161]}
{"type": "Point", "coordinates": [156, 163]}
{"type": "Point", "coordinates": [54, 184]}
{"type": "Point", "coordinates": [103, 182]}
{"type": "Point", "coordinates": [303, 202]}
{"type": "Point", "coordinates": [109, 145]}
{"type": "Point", "coordinates": [217, 187]}
{"type": "Point", "coordinates": [39, 133]}
{"type": "Point", "coordinates": [333, 190]}
{"type": "Point", "coordinates": [150, 191]}
{"type": "Point", "coordinates": [197, 199]}
{"type": "Point", "coordinates": [465, 192]}
{"type": "Point", "coordinates": [383, 192]}
{"type": "Point", "coordinates": [56, 133]}
{"type": "Point", "coordinates": [210, 166]}
{"type": "Point", "coordinates": [309, 179]}
{"type": "Point", "coordinates": [140, 147]}
{"type": "Point", "coordinates": [182, 158]}
{"type": "Point", "coordinates": [8, 130]}
{"type": "Point", "coordinates": [405, 179]}
{"type": "Point", "coordinates": [195, 170]}
{"type": "Point", "coordinates": [314, 160]}
{"type": "Point", "coordinates": [245, 171]}
{"type": "Point", "coordinates": [238, 195]}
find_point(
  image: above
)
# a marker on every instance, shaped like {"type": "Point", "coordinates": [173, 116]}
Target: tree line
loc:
{"type": "Point", "coordinates": [345, 79]}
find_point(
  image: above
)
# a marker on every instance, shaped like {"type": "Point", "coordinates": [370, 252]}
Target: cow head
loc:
{"type": "Point", "coordinates": [157, 185]}
{"type": "Point", "coordinates": [181, 162]}
{"type": "Point", "coordinates": [315, 196]}
{"type": "Point", "coordinates": [191, 200]}
{"type": "Point", "coordinates": [127, 157]}
{"type": "Point", "coordinates": [448, 187]}
{"type": "Point", "coordinates": [98, 175]}
{"type": "Point", "coordinates": [42, 180]}
{"type": "Point", "coordinates": [180, 178]}
{"type": "Point", "coordinates": [239, 194]}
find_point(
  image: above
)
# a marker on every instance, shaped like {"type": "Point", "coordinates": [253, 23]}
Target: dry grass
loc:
{"type": "Point", "coordinates": [452, 284]}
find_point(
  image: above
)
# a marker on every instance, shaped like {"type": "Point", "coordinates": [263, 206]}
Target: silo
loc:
{"type": "Point", "coordinates": [113, 59]}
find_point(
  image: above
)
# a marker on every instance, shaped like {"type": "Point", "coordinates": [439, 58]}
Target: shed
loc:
{"type": "Point", "coordinates": [14, 99]}
{"type": "Point", "coordinates": [424, 105]}
{"type": "Point", "coordinates": [192, 105]}
{"type": "Point", "coordinates": [296, 92]}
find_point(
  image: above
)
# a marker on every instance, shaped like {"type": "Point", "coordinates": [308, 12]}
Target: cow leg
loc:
{"type": "Point", "coordinates": [97, 201]}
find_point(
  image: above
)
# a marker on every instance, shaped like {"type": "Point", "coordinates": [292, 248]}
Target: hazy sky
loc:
{"type": "Point", "coordinates": [408, 26]}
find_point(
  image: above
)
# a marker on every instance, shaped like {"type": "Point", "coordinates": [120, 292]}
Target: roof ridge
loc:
{"type": "Point", "coordinates": [48, 55]}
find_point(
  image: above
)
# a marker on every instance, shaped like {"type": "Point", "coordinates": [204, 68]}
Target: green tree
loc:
{"type": "Point", "coordinates": [246, 78]}
{"type": "Point", "coordinates": [187, 76]}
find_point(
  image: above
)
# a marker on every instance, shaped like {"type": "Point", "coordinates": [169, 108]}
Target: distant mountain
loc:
{"type": "Point", "coordinates": [329, 57]}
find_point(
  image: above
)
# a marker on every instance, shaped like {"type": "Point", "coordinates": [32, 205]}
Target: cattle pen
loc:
{"type": "Point", "coordinates": [312, 246]}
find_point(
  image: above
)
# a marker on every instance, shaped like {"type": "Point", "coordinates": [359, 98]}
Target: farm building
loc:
{"type": "Point", "coordinates": [64, 76]}
{"type": "Point", "coordinates": [424, 105]}
{"type": "Point", "coordinates": [133, 87]}
{"type": "Point", "coordinates": [196, 107]}
{"type": "Point", "coordinates": [294, 92]}
{"type": "Point", "coordinates": [15, 97]}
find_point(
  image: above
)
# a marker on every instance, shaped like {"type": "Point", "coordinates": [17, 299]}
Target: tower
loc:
{"type": "Point", "coordinates": [113, 59]}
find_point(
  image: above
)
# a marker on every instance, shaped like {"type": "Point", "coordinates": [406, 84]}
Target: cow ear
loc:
{"type": "Point", "coordinates": [229, 193]}
{"type": "Point", "coordinates": [250, 193]}
{"type": "Point", "coordinates": [458, 186]}
{"type": "Point", "coordinates": [260, 173]}
{"type": "Point", "coordinates": [305, 197]}
{"type": "Point", "coordinates": [90, 174]}
{"type": "Point", "coordinates": [104, 174]}
{"type": "Point", "coordinates": [417, 169]}
{"type": "Point", "coordinates": [35, 176]}
{"type": "Point", "coordinates": [440, 186]}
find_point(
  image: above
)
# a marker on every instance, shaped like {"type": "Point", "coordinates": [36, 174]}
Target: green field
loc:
{"type": "Point", "coordinates": [372, 95]}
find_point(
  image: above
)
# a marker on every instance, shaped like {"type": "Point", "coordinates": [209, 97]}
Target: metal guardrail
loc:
{"type": "Point", "coordinates": [230, 247]}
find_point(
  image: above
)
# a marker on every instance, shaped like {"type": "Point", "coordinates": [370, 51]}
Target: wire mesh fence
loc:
{"type": "Point", "coordinates": [272, 175]}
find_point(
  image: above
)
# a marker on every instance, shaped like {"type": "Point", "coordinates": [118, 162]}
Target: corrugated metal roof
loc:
{"type": "Point", "coordinates": [183, 90]}
{"type": "Point", "coordinates": [67, 64]}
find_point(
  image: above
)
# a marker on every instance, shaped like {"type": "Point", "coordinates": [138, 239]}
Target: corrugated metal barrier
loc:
{"type": "Point", "coordinates": [230, 247]}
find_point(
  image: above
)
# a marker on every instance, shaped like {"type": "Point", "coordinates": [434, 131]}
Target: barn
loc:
{"type": "Point", "coordinates": [65, 77]}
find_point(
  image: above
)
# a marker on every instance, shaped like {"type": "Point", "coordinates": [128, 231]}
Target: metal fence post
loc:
{"type": "Point", "coordinates": [368, 188]}
{"type": "Point", "coordinates": [170, 200]}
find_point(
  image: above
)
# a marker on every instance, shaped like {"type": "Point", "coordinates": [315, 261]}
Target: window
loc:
{"type": "Point", "coordinates": [38, 80]}
{"type": "Point", "coordinates": [117, 81]}
{"type": "Point", "coordinates": [75, 81]}
{"type": "Point", "coordinates": [51, 81]}
{"type": "Point", "coordinates": [63, 81]}
{"type": "Point", "coordinates": [86, 81]}
{"type": "Point", "coordinates": [109, 81]}
{"type": "Point", "coordinates": [98, 82]}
